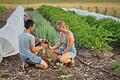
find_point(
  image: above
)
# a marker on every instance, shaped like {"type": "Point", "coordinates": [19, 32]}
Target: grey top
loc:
{"type": "Point", "coordinates": [26, 40]}
{"type": "Point", "coordinates": [63, 40]}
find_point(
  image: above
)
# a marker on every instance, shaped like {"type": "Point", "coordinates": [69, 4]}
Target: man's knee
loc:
{"type": "Point", "coordinates": [43, 65]}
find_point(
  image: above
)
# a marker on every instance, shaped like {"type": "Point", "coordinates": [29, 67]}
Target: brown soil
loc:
{"type": "Point", "coordinates": [4, 16]}
{"type": "Point", "coordinates": [11, 70]}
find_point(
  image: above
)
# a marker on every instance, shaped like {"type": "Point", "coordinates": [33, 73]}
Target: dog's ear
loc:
{"type": "Point", "coordinates": [46, 41]}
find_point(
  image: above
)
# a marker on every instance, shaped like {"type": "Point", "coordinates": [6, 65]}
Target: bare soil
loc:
{"type": "Point", "coordinates": [10, 69]}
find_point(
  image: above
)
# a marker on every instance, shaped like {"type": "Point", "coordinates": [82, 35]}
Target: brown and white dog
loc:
{"type": "Point", "coordinates": [48, 54]}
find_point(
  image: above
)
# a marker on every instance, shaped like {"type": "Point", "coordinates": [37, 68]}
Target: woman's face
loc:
{"type": "Point", "coordinates": [61, 28]}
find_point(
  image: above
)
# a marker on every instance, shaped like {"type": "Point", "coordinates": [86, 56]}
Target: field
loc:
{"type": "Point", "coordinates": [52, 1]}
{"type": "Point", "coordinates": [102, 8]}
{"type": "Point", "coordinates": [97, 41]}
{"type": "Point", "coordinates": [107, 7]}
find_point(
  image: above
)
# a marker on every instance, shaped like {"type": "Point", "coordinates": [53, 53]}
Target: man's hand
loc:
{"type": "Point", "coordinates": [44, 46]}
{"type": "Point", "coordinates": [37, 38]}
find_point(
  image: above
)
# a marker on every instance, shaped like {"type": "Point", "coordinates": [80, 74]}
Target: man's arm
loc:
{"type": "Point", "coordinates": [32, 44]}
{"type": "Point", "coordinates": [35, 49]}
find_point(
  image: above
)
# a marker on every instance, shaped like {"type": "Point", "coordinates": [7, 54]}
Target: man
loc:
{"type": "Point", "coordinates": [27, 47]}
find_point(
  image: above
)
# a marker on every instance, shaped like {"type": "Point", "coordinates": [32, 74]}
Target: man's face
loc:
{"type": "Point", "coordinates": [32, 28]}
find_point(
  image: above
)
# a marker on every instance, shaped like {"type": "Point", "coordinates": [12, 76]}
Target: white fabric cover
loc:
{"type": "Point", "coordinates": [84, 12]}
{"type": "Point", "coordinates": [9, 34]}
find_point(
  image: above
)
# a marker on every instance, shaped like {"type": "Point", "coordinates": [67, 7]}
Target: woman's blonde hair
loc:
{"type": "Point", "coordinates": [61, 22]}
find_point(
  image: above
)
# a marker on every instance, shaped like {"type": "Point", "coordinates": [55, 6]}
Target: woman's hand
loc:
{"type": "Point", "coordinates": [51, 47]}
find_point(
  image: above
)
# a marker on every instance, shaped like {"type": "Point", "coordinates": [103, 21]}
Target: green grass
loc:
{"type": "Point", "coordinates": [2, 9]}
{"type": "Point", "coordinates": [115, 66]}
{"type": "Point", "coordinates": [51, 1]}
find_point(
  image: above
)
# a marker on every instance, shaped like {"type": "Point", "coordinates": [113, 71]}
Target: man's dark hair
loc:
{"type": "Point", "coordinates": [29, 23]}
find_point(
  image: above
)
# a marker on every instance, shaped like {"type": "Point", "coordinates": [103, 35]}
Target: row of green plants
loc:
{"type": "Point", "coordinates": [43, 28]}
{"type": "Point", "coordinates": [110, 25]}
{"type": "Point", "coordinates": [106, 23]}
{"type": "Point", "coordinates": [95, 38]}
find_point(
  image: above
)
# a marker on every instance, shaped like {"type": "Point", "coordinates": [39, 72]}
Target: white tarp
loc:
{"type": "Point", "coordinates": [9, 33]}
{"type": "Point", "coordinates": [84, 12]}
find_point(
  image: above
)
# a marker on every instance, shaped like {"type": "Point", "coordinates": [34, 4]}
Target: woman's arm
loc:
{"type": "Point", "coordinates": [56, 46]}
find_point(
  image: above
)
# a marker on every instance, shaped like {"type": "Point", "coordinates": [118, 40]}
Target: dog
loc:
{"type": "Point", "coordinates": [48, 54]}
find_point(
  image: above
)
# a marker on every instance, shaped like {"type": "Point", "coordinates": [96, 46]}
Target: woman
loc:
{"type": "Point", "coordinates": [65, 48]}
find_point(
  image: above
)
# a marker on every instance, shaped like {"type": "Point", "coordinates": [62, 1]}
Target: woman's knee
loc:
{"type": "Point", "coordinates": [65, 58]}
{"type": "Point", "coordinates": [62, 59]}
